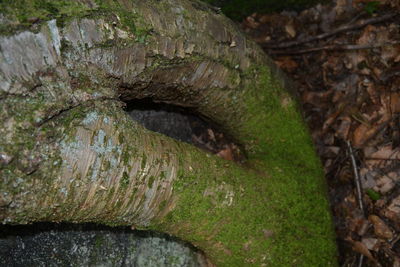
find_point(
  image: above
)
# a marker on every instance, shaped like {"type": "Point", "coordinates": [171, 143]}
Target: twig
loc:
{"type": "Point", "coordinates": [357, 177]}
{"type": "Point", "coordinates": [332, 47]}
{"type": "Point", "coordinates": [344, 28]}
{"type": "Point", "coordinates": [358, 186]}
{"type": "Point", "coordinates": [360, 260]}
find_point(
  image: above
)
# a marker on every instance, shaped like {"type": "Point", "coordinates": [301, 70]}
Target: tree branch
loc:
{"type": "Point", "coordinates": [332, 48]}
{"type": "Point", "coordinates": [344, 28]}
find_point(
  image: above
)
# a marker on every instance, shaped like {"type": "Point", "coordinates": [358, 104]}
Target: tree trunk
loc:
{"type": "Point", "coordinates": [69, 152]}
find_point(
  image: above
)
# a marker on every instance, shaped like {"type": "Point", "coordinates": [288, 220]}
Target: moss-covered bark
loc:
{"type": "Point", "coordinates": [69, 152]}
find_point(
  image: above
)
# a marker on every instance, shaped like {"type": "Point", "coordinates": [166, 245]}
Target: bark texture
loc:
{"type": "Point", "coordinates": [69, 152]}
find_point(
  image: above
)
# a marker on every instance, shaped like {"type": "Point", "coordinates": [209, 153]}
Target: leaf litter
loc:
{"type": "Point", "coordinates": [344, 58]}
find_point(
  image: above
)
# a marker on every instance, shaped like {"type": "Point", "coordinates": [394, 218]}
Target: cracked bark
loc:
{"type": "Point", "coordinates": [93, 164]}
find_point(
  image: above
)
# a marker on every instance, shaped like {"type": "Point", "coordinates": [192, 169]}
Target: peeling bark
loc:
{"type": "Point", "coordinates": [70, 153]}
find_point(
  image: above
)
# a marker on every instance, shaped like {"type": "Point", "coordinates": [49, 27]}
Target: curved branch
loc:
{"type": "Point", "coordinates": [92, 164]}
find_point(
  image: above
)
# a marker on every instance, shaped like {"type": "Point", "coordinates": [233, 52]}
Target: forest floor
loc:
{"type": "Point", "coordinates": [345, 61]}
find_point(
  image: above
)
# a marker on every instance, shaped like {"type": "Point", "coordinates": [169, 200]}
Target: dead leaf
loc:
{"type": "Point", "coordinates": [226, 153]}
{"type": "Point", "coordinates": [290, 30]}
{"type": "Point", "coordinates": [393, 210]}
{"type": "Point", "coordinates": [263, 39]}
{"type": "Point", "coordinates": [246, 245]}
{"type": "Point", "coordinates": [390, 52]}
{"type": "Point", "coordinates": [380, 228]}
{"type": "Point", "coordinates": [395, 102]}
{"type": "Point", "coordinates": [267, 233]}
{"type": "Point", "coordinates": [384, 184]}
{"type": "Point", "coordinates": [251, 22]}
{"type": "Point", "coordinates": [341, 6]}
{"type": "Point", "coordinates": [386, 152]}
{"type": "Point", "coordinates": [211, 134]}
{"type": "Point", "coordinates": [264, 18]}
{"type": "Point", "coordinates": [396, 262]}
{"type": "Point", "coordinates": [370, 243]}
{"type": "Point", "coordinates": [362, 249]}
{"type": "Point", "coordinates": [286, 63]}
{"type": "Point", "coordinates": [368, 36]}
{"type": "Point", "coordinates": [363, 227]}
{"type": "Point", "coordinates": [361, 134]}
{"type": "Point", "coordinates": [368, 178]}
{"type": "Point", "coordinates": [317, 99]}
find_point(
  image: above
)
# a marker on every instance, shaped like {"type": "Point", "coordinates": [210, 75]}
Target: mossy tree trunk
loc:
{"type": "Point", "coordinates": [69, 152]}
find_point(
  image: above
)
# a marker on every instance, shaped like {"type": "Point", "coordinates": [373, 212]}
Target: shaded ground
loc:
{"type": "Point", "coordinates": [345, 61]}
{"type": "Point", "coordinates": [49, 244]}
{"type": "Point", "coordinates": [184, 125]}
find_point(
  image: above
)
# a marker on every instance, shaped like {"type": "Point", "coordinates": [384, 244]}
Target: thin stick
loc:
{"type": "Point", "coordinates": [357, 177]}
{"type": "Point", "coordinates": [332, 47]}
{"type": "Point", "coordinates": [358, 186]}
{"type": "Point", "coordinates": [360, 260]}
{"type": "Point", "coordinates": [344, 28]}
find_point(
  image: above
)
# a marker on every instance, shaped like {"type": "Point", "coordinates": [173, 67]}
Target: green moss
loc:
{"type": "Point", "coordinates": [128, 17]}
{"type": "Point", "coordinates": [27, 12]}
{"type": "Point", "coordinates": [151, 181]}
{"type": "Point", "coordinates": [124, 180]}
{"type": "Point", "coordinates": [162, 205]}
{"type": "Point", "coordinates": [99, 242]}
{"type": "Point", "coordinates": [162, 175]}
{"type": "Point", "coordinates": [121, 138]}
{"type": "Point", "coordinates": [290, 196]}
{"type": "Point", "coordinates": [143, 163]}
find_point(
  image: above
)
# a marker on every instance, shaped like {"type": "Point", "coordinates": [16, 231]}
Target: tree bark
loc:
{"type": "Point", "coordinates": [70, 153]}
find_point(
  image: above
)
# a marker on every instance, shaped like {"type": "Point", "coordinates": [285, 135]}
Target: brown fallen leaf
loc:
{"type": "Point", "coordinates": [267, 233]}
{"type": "Point", "coordinates": [368, 35]}
{"type": "Point", "coordinates": [370, 243]}
{"type": "Point", "coordinates": [251, 22]}
{"type": "Point", "coordinates": [226, 153]}
{"type": "Point", "coordinates": [363, 227]}
{"type": "Point", "coordinates": [395, 102]}
{"type": "Point", "coordinates": [396, 262]}
{"type": "Point", "coordinates": [286, 63]}
{"type": "Point", "coordinates": [384, 184]}
{"type": "Point", "coordinates": [364, 133]}
{"type": "Point", "coordinates": [386, 152]}
{"type": "Point", "coordinates": [393, 210]}
{"type": "Point", "coordinates": [246, 245]}
{"type": "Point", "coordinates": [362, 249]}
{"type": "Point", "coordinates": [290, 30]}
{"type": "Point", "coordinates": [380, 228]}
{"type": "Point", "coordinates": [317, 99]}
